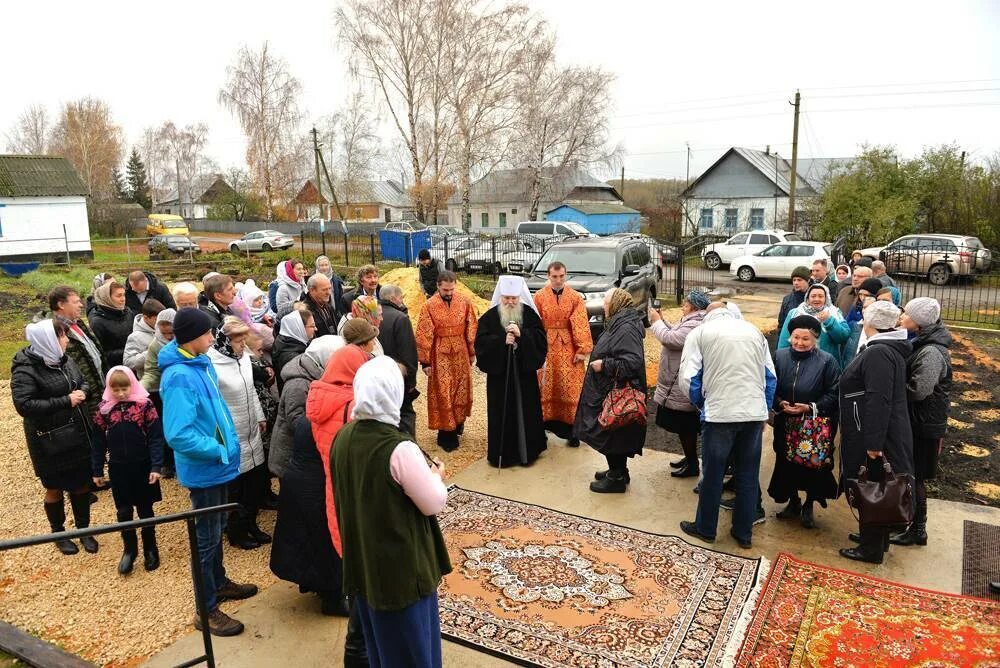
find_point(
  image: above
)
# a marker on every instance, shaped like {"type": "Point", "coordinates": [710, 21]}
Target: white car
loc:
{"type": "Point", "coordinates": [744, 243]}
{"type": "Point", "coordinates": [264, 240]}
{"type": "Point", "coordinates": [778, 260]}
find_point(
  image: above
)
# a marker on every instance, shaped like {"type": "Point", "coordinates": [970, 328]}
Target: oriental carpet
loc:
{"type": "Point", "coordinates": [811, 615]}
{"type": "Point", "coordinates": [546, 588]}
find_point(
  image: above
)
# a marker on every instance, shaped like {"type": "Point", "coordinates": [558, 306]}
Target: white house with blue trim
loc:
{"type": "Point", "coordinates": [748, 189]}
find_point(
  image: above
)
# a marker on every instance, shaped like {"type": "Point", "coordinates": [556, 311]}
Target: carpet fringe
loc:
{"type": "Point", "coordinates": [746, 616]}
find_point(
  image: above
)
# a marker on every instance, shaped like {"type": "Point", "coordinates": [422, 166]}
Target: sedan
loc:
{"type": "Point", "coordinates": [460, 250]}
{"type": "Point", "coordinates": [166, 245]}
{"type": "Point", "coordinates": [778, 260]}
{"type": "Point", "coordinates": [264, 240]}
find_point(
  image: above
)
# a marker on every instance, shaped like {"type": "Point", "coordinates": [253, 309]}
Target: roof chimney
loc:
{"type": "Point", "coordinates": [767, 151]}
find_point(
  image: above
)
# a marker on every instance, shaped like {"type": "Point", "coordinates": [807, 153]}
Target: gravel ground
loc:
{"type": "Point", "coordinates": [81, 603]}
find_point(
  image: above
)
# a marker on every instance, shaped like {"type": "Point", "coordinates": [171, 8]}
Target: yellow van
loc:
{"type": "Point", "coordinates": [166, 223]}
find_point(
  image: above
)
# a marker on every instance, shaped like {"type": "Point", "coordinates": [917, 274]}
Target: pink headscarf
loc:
{"type": "Point", "coordinates": [137, 394]}
{"type": "Point", "coordinates": [290, 270]}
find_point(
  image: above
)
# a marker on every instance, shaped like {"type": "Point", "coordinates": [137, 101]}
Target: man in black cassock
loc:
{"type": "Point", "coordinates": [511, 348]}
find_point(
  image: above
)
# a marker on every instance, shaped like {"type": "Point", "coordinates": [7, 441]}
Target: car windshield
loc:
{"type": "Point", "coordinates": [597, 261]}
{"type": "Point", "coordinates": [173, 224]}
{"type": "Point", "coordinates": [577, 229]}
{"type": "Point", "coordinates": [791, 236]}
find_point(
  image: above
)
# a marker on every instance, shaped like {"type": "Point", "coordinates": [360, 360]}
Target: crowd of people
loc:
{"type": "Point", "coordinates": [314, 384]}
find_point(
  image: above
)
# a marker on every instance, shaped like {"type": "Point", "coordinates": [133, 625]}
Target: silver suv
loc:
{"type": "Point", "coordinates": [936, 256]}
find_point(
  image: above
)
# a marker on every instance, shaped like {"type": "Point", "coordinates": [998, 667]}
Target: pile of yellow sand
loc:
{"type": "Point", "coordinates": [413, 294]}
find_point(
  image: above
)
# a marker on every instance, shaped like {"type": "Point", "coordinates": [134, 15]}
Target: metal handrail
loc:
{"type": "Point", "coordinates": [188, 516]}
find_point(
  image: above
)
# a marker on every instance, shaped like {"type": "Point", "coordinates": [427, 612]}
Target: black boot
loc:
{"type": "Point", "coordinates": [355, 650]}
{"type": "Point", "coordinates": [601, 475]}
{"type": "Point", "coordinates": [680, 463]}
{"type": "Point", "coordinates": [256, 532]}
{"type": "Point", "coordinates": [916, 534]}
{"type": "Point", "coordinates": [807, 519]}
{"type": "Point", "coordinates": [615, 482]}
{"type": "Point", "coordinates": [237, 531]}
{"type": "Point", "coordinates": [130, 552]}
{"type": "Point", "coordinates": [333, 604]}
{"type": "Point", "coordinates": [56, 512]}
{"type": "Point", "coordinates": [150, 551]}
{"type": "Point", "coordinates": [689, 471]}
{"type": "Point", "coordinates": [447, 440]}
{"type": "Point", "coordinates": [792, 510]}
{"type": "Point", "coordinates": [81, 518]}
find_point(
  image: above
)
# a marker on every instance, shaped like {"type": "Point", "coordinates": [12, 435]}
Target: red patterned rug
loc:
{"type": "Point", "coordinates": [545, 588]}
{"type": "Point", "coordinates": [810, 615]}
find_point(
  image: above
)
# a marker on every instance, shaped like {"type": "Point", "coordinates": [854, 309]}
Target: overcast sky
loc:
{"type": "Point", "coordinates": [714, 74]}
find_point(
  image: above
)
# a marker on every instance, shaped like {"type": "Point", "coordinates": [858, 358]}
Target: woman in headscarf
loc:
{"type": "Point", "coordinates": [325, 267]}
{"type": "Point", "coordinates": [617, 358]}
{"type": "Point", "coordinates": [98, 280]}
{"type": "Point", "coordinates": [307, 544]}
{"type": "Point", "coordinates": [49, 393]}
{"type": "Point", "coordinates": [675, 412]}
{"type": "Point", "coordinates": [298, 375]}
{"type": "Point", "coordinates": [254, 299]}
{"type": "Point", "coordinates": [291, 288]}
{"type": "Point", "coordinates": [807, 385]}
{"type": "Point", "coordinates": [368, 309]}
{"type": "Point", "coordinates": [835, 330]}
{"type": "Point", "coordinates": [111, 321]}
{"type": "Point", "coordinates": [231, 360]}
{"type": "Point", "coordinates": [295, 331]}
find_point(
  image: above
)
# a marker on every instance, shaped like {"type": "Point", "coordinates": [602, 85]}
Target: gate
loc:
{"type": "Point", "coordinates": [686, 268]}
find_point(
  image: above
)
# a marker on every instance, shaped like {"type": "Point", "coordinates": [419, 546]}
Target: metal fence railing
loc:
{"type": "Point", "coordinates": [188, 517]}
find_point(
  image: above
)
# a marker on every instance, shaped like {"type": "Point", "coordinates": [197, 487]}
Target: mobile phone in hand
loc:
{"type": "Point", "coordinates": [656, 304]}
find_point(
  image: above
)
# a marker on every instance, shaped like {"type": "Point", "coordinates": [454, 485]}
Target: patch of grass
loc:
{"type": "Point", "coordinates": [970, 318]}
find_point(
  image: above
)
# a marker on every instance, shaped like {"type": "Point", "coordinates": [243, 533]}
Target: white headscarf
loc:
{"type": "Point", "coordinates": [320, 348]}
{"type": "Point", "coordinates": [510, 286]}
{"type": "Point", "coordinates": [166, 315]}
{"type": "Point", "coordinates": [248, 293]}
{"type": "Point", "coordinates": [44, 342]}
{"type": "Point", "coordinates": [378, 391]}
{"type": "Point", "coordinates": [293, 327]}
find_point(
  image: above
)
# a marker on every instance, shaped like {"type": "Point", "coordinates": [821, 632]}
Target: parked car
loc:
{"type": "Point", "coordinates": [936, 256]}
{"type": "Point", "coordinates": [550, 228]}
{"type": "Point", "coordinates": [459, 248]}
{"type": "Point", "coordinates": [660, 252]}
{"type": "Point", "coordinates": [594, 266]}
{"type": "Point", "coordinates": [165, 246]}
{"type": "Point", "coordinates": [406, 226]}
{"type": "Point", "coordinates": [744, 243]}
{"type": "Point", "coordinates": [778, 260]}
{"type": "Point", "coordinates": [166, 223]}
{"type": "Point", "coordinates": [264, 240]}
{"type": "Point", "coordinates": [503, 253]}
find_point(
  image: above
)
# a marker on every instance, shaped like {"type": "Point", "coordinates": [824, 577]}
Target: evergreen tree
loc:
{"type": "Point", "coordinates": [119, 188]}
{"type": "Point", "coordinates": [137, 183]}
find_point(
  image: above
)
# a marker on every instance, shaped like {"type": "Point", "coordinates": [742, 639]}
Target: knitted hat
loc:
{"type": "Point", "coordinates": [189, 324]}
{"type": "Point", "coordinates": [359, 331]}
{"type": "Point", "coordinates": [805, 322]}
{"type": "Point", "coordinates": [698, 299]}
{"type": "Point", "coordinates": [801, 272]}
{"type": "Point", "coordinates": [872, 286]}
{"type": "Point", "coordinates": [882, 315]}
{"type": "Point", "coordinates": [924, 311]}
{"type": "Point", "coordinates": [424, 254]}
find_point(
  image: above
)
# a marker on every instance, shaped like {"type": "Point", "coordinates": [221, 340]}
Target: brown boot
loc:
{"type": "Point", "coordinates": [220, 624]}
{"type": "Point", "coordinates": [231, 591]}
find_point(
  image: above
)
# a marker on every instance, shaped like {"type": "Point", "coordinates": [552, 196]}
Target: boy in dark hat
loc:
{"type": "Point", "coordinates": [800, 281]}
{"type": "Point", "coordinates": [429, 269]}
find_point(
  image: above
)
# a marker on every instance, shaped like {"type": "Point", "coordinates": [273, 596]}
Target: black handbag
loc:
{"type": "Point", "coordinates": [883, 503]}
{"type": "Point", "coordinates": [58, 441]}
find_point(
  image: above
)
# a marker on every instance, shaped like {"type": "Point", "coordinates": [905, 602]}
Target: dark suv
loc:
{"type": "Point", "coordinates": [595, 265]}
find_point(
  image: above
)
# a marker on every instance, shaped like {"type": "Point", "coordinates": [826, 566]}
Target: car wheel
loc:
{"type": "Point", "coordinates": [713, 261]}
{"type": "Point", "coordinates": [939, 274]}
{"type": "Point", "coordinates": [266, 247]}
{"type": "Point", "coordinates": [745, 274]}
{"type": "Point", "coordinates": [450, 265]}
{"type": "Point", "coordinates": [234, 248]}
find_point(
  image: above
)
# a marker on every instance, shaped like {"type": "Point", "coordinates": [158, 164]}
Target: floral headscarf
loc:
{"type": "Point", "coordinates": [620, 300]}
{"type": "Point", "coordinates": [367, 308]}
{"type": "Point", "coordinates": [807, 308]}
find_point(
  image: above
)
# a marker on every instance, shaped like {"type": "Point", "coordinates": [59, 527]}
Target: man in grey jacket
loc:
{"type": "Point", "coordinates": [727, 372]}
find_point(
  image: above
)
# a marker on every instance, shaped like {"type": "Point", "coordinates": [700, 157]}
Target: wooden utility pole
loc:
{"type": "Point", "coordinates": [795, 165]}
{"type": "Point", "coordinates": [319, 183]}
{"type": "Point", "coordinates": [329, 182]}
{"type": "Point", "coordinates": [687, 184]}
{"type": "Point", "coordinates": [621, 188]}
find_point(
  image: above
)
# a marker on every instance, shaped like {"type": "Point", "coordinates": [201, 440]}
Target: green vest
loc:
{"type": "Point", "coordinates": [393, 554]}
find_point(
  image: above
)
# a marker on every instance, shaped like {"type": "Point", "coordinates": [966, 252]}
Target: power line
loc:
{"type": "Point", "coordinates": [896, 85]}
{"type": "Point", "coordinates": [908, 107]}
{"type": "Point", "coordinates": [908, 92]}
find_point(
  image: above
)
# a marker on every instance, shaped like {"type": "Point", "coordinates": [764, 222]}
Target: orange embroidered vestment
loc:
{"type": "Point", "coordinates": [446, 336]}
{"type": "Point", "coordinates": [568, 330]}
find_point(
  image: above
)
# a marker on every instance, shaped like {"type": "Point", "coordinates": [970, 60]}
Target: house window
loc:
{"type": "Point", "coordinates": [756, 219]}
{"type": "Point", "coordinates": [485, 217]}
{"type": "Point", "coordinates": [388, 215]}
{"type": "Point", "coordinates": [503, 219]}
{"type": "Point", "coordinates": [706, 219]}
{"type": "Point", "coordinates": [731, 215]}
{"type": "Point", "coordinates": [513, 212]}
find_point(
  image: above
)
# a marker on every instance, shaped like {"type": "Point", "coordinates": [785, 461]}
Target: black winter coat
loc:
{"type": "Point", "coordinates": [398, 341]}
{"type": "Point", "coordinates": [791, 300]}
{"type": "Point", "coordinates": [873, 410]}
{"type": "Point", "coordinates": [620, 348]}
{"type": "Point", "coordinates": [284, 351]}
{"type": "Point", "coordinates": [929, 382]}
{"type": "Point", "coordinates": [112, 328]}
{"type": "Point", "coordinates": [56, 432]}
{"type": "Point", "coordinates": [155, 290]}
{"type": "Point", "coordinates": [429, 276]}
{"type": "Point", "coordinates": [326, 319]}
{"type": "Point", "coordinates": [810, 379]}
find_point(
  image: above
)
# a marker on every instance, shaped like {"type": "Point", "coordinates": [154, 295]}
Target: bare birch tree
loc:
{"type": "Point", "coordinates": [562, 119]}
{"type": "Point", "coordinates": [400, 45]}
{"type": "Point", "coordinates": [182, 155]}
{"type": "Point", "coordinates": [30, 133]}
{"type": "Point", "coordinates": [263, 95]}
{"type": "Point", "coordinates": [88, 137]}
{"type": "Point", "coordinates": [352, 149]}
{"type": "Point", "coordinates": [484, 59]}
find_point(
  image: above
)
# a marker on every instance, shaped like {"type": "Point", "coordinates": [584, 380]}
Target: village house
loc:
{"type": "Point", "coordinates": [43, 209]}
{"type": "Point", "coordinates": [748, 189]}
{"type": "Point", "coordinates": [198, 208]}
{"type": "Point", "coordinates": [370, 201]}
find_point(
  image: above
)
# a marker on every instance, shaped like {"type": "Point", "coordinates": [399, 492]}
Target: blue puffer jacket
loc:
{"type": "Point", "coordinates": [196, 421]}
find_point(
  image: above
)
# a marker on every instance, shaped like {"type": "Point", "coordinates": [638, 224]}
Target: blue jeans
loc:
{"type": "Point", "coordinates": [209, 529]}
{"type": "Point", "coordinates": [718, 440]}
{"type": "Point", "coordinates": [407, 637]}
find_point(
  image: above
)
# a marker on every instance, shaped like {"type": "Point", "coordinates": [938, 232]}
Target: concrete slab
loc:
{"type": "Point", "coordinates": [284, 626]}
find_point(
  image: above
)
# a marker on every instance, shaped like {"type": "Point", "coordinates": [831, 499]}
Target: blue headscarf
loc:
{"type": "Point", "coordinates": [698, 299]}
